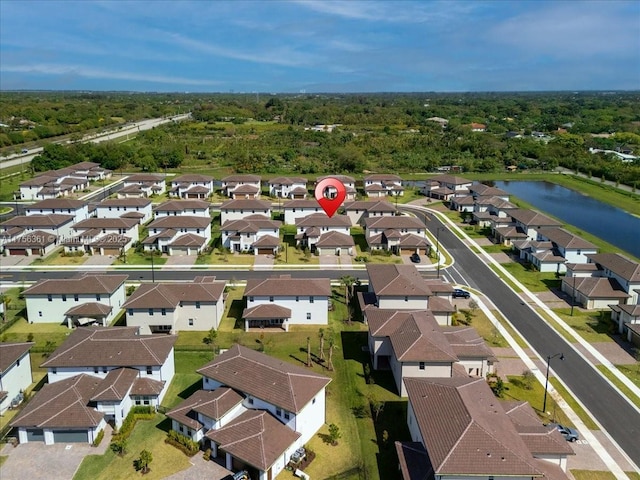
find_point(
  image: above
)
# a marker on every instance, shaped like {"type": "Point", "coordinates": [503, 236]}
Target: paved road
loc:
{"type": "Point", "coordinates": [613, 412]}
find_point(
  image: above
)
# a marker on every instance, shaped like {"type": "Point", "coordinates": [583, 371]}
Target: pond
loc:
{"type": "Point", "coordinates": [609, 223]}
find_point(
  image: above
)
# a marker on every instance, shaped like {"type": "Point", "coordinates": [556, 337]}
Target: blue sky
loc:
{"type": "Point", "coordinates": [319, 46]}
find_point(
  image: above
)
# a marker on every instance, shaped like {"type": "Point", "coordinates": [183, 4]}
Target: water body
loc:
{"type": "Point", "coordinates": [609, 223]}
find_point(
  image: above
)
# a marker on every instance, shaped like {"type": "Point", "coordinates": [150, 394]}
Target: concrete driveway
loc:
{"type": "Point", "coordinates": [201, 470]}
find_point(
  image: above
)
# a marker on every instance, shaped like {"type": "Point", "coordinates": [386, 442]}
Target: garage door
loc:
{"type": "Point", "coordinates": [265, 251]}
{"type": "Point", "coordinates": [70, 436]}
{"type": "Point", "coordinates": [407, 251]}
{"type": "Point", "coordinates": [35, 435]}
{"type": "Point", "coordinates": [18, 251]}
{"type": "Point", "coordinates": [179, 251]}
{"type": "Point", "coordinates": [112, 251]}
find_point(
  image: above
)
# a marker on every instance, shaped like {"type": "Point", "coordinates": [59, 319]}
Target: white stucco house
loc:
{"type": "Point", "coordinates": [76, 301]}
{"type": "Point", "coordinates": [239, 209]}
{"type": "Point", "coordinates": [125, 207]}
{"type": "Point", "coordinates": [191, 186]}
{"type": "Point", "coordinates": [295, 209]}
{"type": "Point", "coordinates": [143, 185]}
{"type": "Point", "coordinates": [178, 235]}
{"type": "Point", "coordinates": [62, 206]}
{"type": "Point", "coordinates": [174, 307]}
{"type": "Point", "coordinates": [288, 187]}
{"type": "Point", "coordinates": [359, 211]}
{"type": "Point", "coordinates": [242, 186]}
{"type": "Point", "coordinates": [311, 230]}
{"type": "Point", "coordinates": [382, 185]}
{"type": "Point", "coordinates": [15, 373]}
{"type": "Point", "coordinates": [255, 233]}
{"type": "Point", "coordinates": [173, 208]}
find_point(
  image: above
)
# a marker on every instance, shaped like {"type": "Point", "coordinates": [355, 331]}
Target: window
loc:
{"type": "Point", "coordinates": [286, 415]}
{"type": "Point", "coordinates": [40, 314]}
{"type": "Point", "coordinates": [191, 322]}
{"type": "Point", "coordinates": [421, 365]}
{"type": "Point", "coordinates": [311, 300]}
{"type": "Point", "coordinates": [181, 429]}
{"type": "Point", "coordinates": [97, 297]}
{"type": "Point", "coordinates": [54, 370]}
{"type": "Point", "coordinates": [95, 369]}
{"type": "Point", "coordinates": [130, 311]}
{"type": "Point", "coordinates": [250, 400]}
{"type": "Point", "coordinates": [180, 303]}
{"type": "Point", "coordinates": [197, 304]}
{"type": "Point", "coordinates": [50, 297]}
{"type": "Point", "coordinates": [151, 312]}
{"type": "Point", "coordinates": [278, 412]}
{"type": "Point", "coordinates": [163, 311]}
{"type": "Point", "coordinates": [76, 297]}
{"type": "Point", "coordinates": [251, 299]}
{"type": "Point", "coordinates": [104, 369]}
{"type": "Point", "coordinates": [297, 298]}
{"type": "Point", "coordinates": [64, 297]}
{"type": "Point", "coordinates": [308, 315]}
{"type": "Point", "coordinates": [313, 402]}
{"type": "Point", "coordinates": [271, 299]}
{"type": "Point", "coordinates": [18, 363]}
{"type": "Point", "coordinates": [149, 370]}
{"type": "Point", "coordinates": [406, 299]}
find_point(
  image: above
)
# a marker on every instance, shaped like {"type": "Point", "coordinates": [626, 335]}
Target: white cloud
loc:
{"type": "Point", "coordinates": [92, 72]}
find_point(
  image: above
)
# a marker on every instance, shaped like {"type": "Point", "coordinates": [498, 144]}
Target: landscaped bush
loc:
{"type": "Point", "coordinates": [181, 442]}
{"type": "Point", "coordinates": [144, 412]}
{"type": "Point", "coordinates": [98, 438]}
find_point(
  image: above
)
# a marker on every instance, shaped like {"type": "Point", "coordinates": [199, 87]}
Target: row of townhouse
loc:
{"type": "Point", "coordinates": [62, 182]}
{"type": "Point", "coordinates": [458, 428]}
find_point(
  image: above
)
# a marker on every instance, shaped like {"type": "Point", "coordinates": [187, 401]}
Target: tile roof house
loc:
{"type": "Point", "coordinates": [97, 375]}
{"type": "Point", "coordinates": [53, 224]}
{"type": "Point", "coordinates": [29, 243]}
{"type": "Point", "coordinates": [15, 373]}
{"type": "Point", "coordinates": [178, 235]}
{"type": "Point", "coordinates": [459, 429]}
{"type": "Point", "coordinates": [191, 186]}
{"type": "Point", "coordinates": [174, 307]}
{"type": "Point", "coordinates": [413, 344]}
{"type": "Point", "coordinates": [283, 407]}
{"type": "Point", "coordinates": [283, 301]}
{"type": "Point", "coordinates": [295, 209]}
{"type": "Point", "coordinates": [625, 316]}
{"type": "Point", "coordinates": [239, 209]}
{"type": "Point", "coordinates": [59, 183]}
{"type": "Point", "coordinates": [143, 185]}
{"type": "Point", "coordinates": [294, 188]}
{"type": "Point", "coordinates": [57, 301]}
{"type": "Point", "coordinates": [530, 221]}
{"type": "Point", "coordinates": [444, 187]}
{"type": "Point", "coordinates": [620, 268]}
{"type": "Point", "coordinates": [398, 234]}
{"type": "Point", "coordinates": [63, 206]}
{"type": "Point", "coordinates": [359, 211]}
{"type": "Point", "coordinates": [139, 208]}
{"type": "Point", "coordinates": [241, 186]}
{"type": "Point", "coordinates": [256, 233]}
{"type": "Point", "coordinates": [314, 228]}
{"type": "Point", "coordinates": [382, 185]}
{"type": "Point", "coordinates": [348, 182]}
{"type": "Point", "coordinates": [196, 208]}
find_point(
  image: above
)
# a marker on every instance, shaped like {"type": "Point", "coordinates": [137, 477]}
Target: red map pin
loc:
{"type": "Point", "coordinates": [330, 193]}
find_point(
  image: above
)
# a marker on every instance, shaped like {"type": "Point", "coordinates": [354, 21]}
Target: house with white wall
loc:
{"type": "Point", "coordinates": [195, 208]}
{"type": "Point", "coordinates": [283, 301]}
{"type": "Point", "coordinates": [96, 376]}
{"type": "Point", "coordinates": [359, 211]}
{"type": "Point", "coordinates": [382, 185]}
{"type": "Point", "coordinates": [242, 186]}
{"type": "Point", "coordinates": [273, 423]}
{"type": "Point", "coordinates": [143, 185]}
{"type": "Point", "coordinates": [294, 188]}
{"type": "Point", "coordinates": [62, 206]}
{"type": "Point", "coordinates": [52, 224]}
{"type": "Point", "coordinates": [191, 186]}
{"type": "Point", "coordinates": [460, 430]}
{"type": "Point", "coordinates": [530, 222]}
{"type": "Point", "coordinates": [31, 243]}
{"type": "Point", "coordinates": [348, 182]}
{"type": "Point", "coordinates": [255, 233]}
{"type": "Point", "coordinates": [295, 209]}
{"type": "Point", "coordinates": [239, 209]}
{"type": "Point", "coordinates": [57, 301]}
{"type": "Point", "coordinates": [125, 207]}
{"type": "Point", "coordinates": [173, 307]}
{"type": "Point", "coordinates": [310, 229]}
{"type": "Point", "coordinates": [178, 235]}
{"type": "Point", "coordinates": [443, 187]}
{"type": "Point", "coordinates": [398, 234]}
{"type": "Point", "coordinates": [15, 373]}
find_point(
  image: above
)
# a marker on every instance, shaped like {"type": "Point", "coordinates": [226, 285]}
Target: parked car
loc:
{"type": "Point", "coordinates": [569, 434]}
{"type": "Point", "coordinates": [459, 293]}
{"type": "Point", "coordinates": [415, 258]}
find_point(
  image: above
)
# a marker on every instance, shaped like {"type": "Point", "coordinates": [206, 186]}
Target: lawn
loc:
{"type": "Point", "coordinates": [217, 257]}
{"type": "Point", "coordinates": [137, 258]}
{"type": "Point", "coordinates": [486, 330]}
{"type": "Point", "coordinates": [45, 335]}
{"type": "Point", "coordinates": [516, 389]}
{"type": "Point", "coordinates": [59, 258]}
{"type": "Point", "coordinates": [290, 255]}
{"type": "Point", "coordinates": [592, 326]}
{"type": "Point", "coordinates": [633, 372]}
{"type": "Point", "coordinates": [532, 279]}
{"type": "Point", "coordinates": [147, 435]}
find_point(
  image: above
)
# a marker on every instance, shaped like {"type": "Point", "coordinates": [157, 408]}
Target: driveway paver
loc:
{"type": "Point", "coordinates": [186, 260]}
{"type": "Point", "coordinates": [201, 470]}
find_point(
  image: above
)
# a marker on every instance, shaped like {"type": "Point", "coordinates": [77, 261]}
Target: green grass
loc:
{"type": "Point", "coordinates": [147, 435]}
{"type": "Point", "coordinates": [217, 257]}
{"type": "Point", "coordinates": [3, 458]}
{"type": "Point", "coordinates": [290, 255]}
{"type": "Point", "coordinates": [592, 475]}
{"type": "Point", "coordinates": [632, 373]}
{"type": "Point", "coordinates": [136, 258]}
{"type": "Point", "coordinates": [42, 333]}
{"type": "Point", "coordinates": [592, 326]}
{"type": "Point", "coordinates": [506, 280]}
{"type": "Point", "coordinates": [530, 278]}
{"type": "Point", "coordinates": [59, 258]}
{"type": "Point", "coordinates": [516, 389]}
{"type": "Point", "coordinates": [514, 334]}
{"type": "Point", "coordinates": [487, 331]}
{"type": "Point", "coordinates": [586, 419]}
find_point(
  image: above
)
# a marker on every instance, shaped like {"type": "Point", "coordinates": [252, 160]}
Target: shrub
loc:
{"type": "Point", "coordinates": [98, 438]}
{"type": "Point", "coordinates": [183, 443]}
{"type": "Point", "coordinates": [207, 454]}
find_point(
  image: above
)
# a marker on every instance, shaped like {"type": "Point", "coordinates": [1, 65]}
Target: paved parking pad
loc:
{"type": "Point", "coordinates": [37, 461]}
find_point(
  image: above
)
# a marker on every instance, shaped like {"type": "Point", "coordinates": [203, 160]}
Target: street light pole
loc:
{"type": "Point", "coordinates": [153, 273]}
{"type": "Point", "coordinates": [573, 297]}
{"type": "Point", "coordinates": [546, 381]}
{"type": "Point", "coordinates": [438, 249]}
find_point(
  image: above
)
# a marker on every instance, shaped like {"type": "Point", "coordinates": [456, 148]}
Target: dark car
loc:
{"type": "Point", "coordinates": [569, 434]}
{"type": "Point", "coordinates": [459, 293]}
{"type": "Point", "coordinates": [415, 258]}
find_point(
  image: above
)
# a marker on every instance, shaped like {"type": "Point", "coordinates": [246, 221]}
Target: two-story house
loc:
{"type": "Point", "coordinates": [53, 224]}
{"type": "Point", "coordinates": [460, 430]}
{"type": "Point", "coordinates": [174, 307]}
{"type": "Point", "coordinates": [76, 301]}
{"type": "Point", "coordinates": [327, 235]}
{"type": "Point", "coordinates": [359, 211]}
{"type": "Point", "coordinates": [399, 234]}
{"type": "Point", "coordinates": [284, 301]}
{"type": "Point", "coordinates": [348, 182]}
{"type": "Point", "coordinates": [15, 373]}
{"type": "Point", "coordinates": [191, 186]}
{"type": "Point", "coordinates": [195, 208]}
{"type": "Point", "coordinates": [294, 188]}
{"type": "Point", "coordinates": [255, 232]}
{"type": "Point", "coordinates": [96, 376]}
{"type": "Point", "coordinates": [525, 224]}
{"type": "Point", "coordinates": [139, 208]}
{"type": "Point", "coordinates": [295, 209]}
{"type": "Point", "coordinates": [444, 187]}
{"type": "Point", "coordinates": [242, 186]}
{"type": "Point", "coordinates": [178, 235]}
{"type": "Point", "coordinates": [271, 423]}
{"type": "Point", "coordinates": [143, 185]}
{"type": "Point", "coordinates": [62, 206]}
{"type": "Point", "coordinates": [382, 185]}
{"type": "Point", "coordinates": [18, 242]}
{"type": "Point", "coordinates": [239, 209]}
{"type": "Point", "coordinates": [103, 236]}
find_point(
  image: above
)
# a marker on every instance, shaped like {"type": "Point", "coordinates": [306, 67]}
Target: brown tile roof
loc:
{"type": "Point", "coordinates": [246, 204]}
{"type": "Point", "coordinates": [51, 220]}
{"type": "Point", "coordinates": [52, 203]}
{"type": "Point", "coordinates": [382, 177]}
{"type": "Point", "coordinates": [267, 241]}
{"type": "Point", "coordinates": [63, 404]}
{"type": "Point", "coordinates": [395, 280]}
{"type": "Point", "coordinates": [180, 221]}
{"type": "Point", "coordinates": [375, 187]}
{"type": "Point", "coordinates": [302, 204]}
{"type": "Point", "coordinates": [595, 287]}
{"type": "Point", "coordinates": [106, 223]}
{"type": "Point", "coordinates": [420, 339]}
{"type": "Point", "coordinates": [465, 430]}
{"type": "Point", "coordinates": [451, 179]}
{"type": "Point", "coordinates": [251, 224]}
{"type": "Point", "coordinates": [36, 238]}
{"type": "Point", "coordinates": [125, 202]}
{"type": "Point", "coordinates": [116, 385]}
{"type": "Point", "coordinates": [618, 264]}
{"type": "Point", "coordinates": [10, 353]}
{"type": "Point", "coordinates": [466, 342]}
{"type": "Point", "coordinates": [147, 386]}
{"type": "Point", "coordinates": [287, 180]}
{"type": "Point", "coordinates": [145, 177]}
{"type": "Point", "coordinates": [213, 404]}
{"type": "Point", "coordinates": [242, 178]}
{"type": "Point", "coordinates": [181, 205]}
{"type": "Point", "coordinates": [266, 311]}
{"type": "Point", "coordinates": [192, 177]}
{"type": "Point", "coordinates": [485, 190]}
{"type": "Point", "coordinates": [342, 178]}
{"type": "Point", "coordinates": [284, 285]}
{"type": "Point", "coordinates": [532, 218]}
{"type": "Point", "coordinates": [414, 463]}
{"type": "Point", "coordinates": [169, 295]}
{"type": "Point", "coordinates": [370, 206]}
{"type": "Point", "coordinates": [89, 309]}
{"type": "Point", "coordinates": [189, 240]}
{"type": "Point", "coordinates": [397, 222]}
{"type": "Point", "coordinates": [274, 381]}
{"type": "Point", "coordinates": [335, 239]}
{"type": "Point", "coordinates": [411, 240]}
{"type": "Point", "coordinates": [106, 284]}
{"type": "Point", "coordinates": [563, 238]}
{"type": "Point", "coordinates": [255, 437]}
{"type": "Point", "coordinates": [111, 347]}
{"type": "Point", "coordinates": [322, 220]}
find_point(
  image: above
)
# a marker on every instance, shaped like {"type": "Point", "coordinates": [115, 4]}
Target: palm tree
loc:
{"type": "Point", "coordinates": [332, 345]}
{"type": "Point", "coordinates": [308, 351]}
{"type": "Point", "coordinates": [321, 335]}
